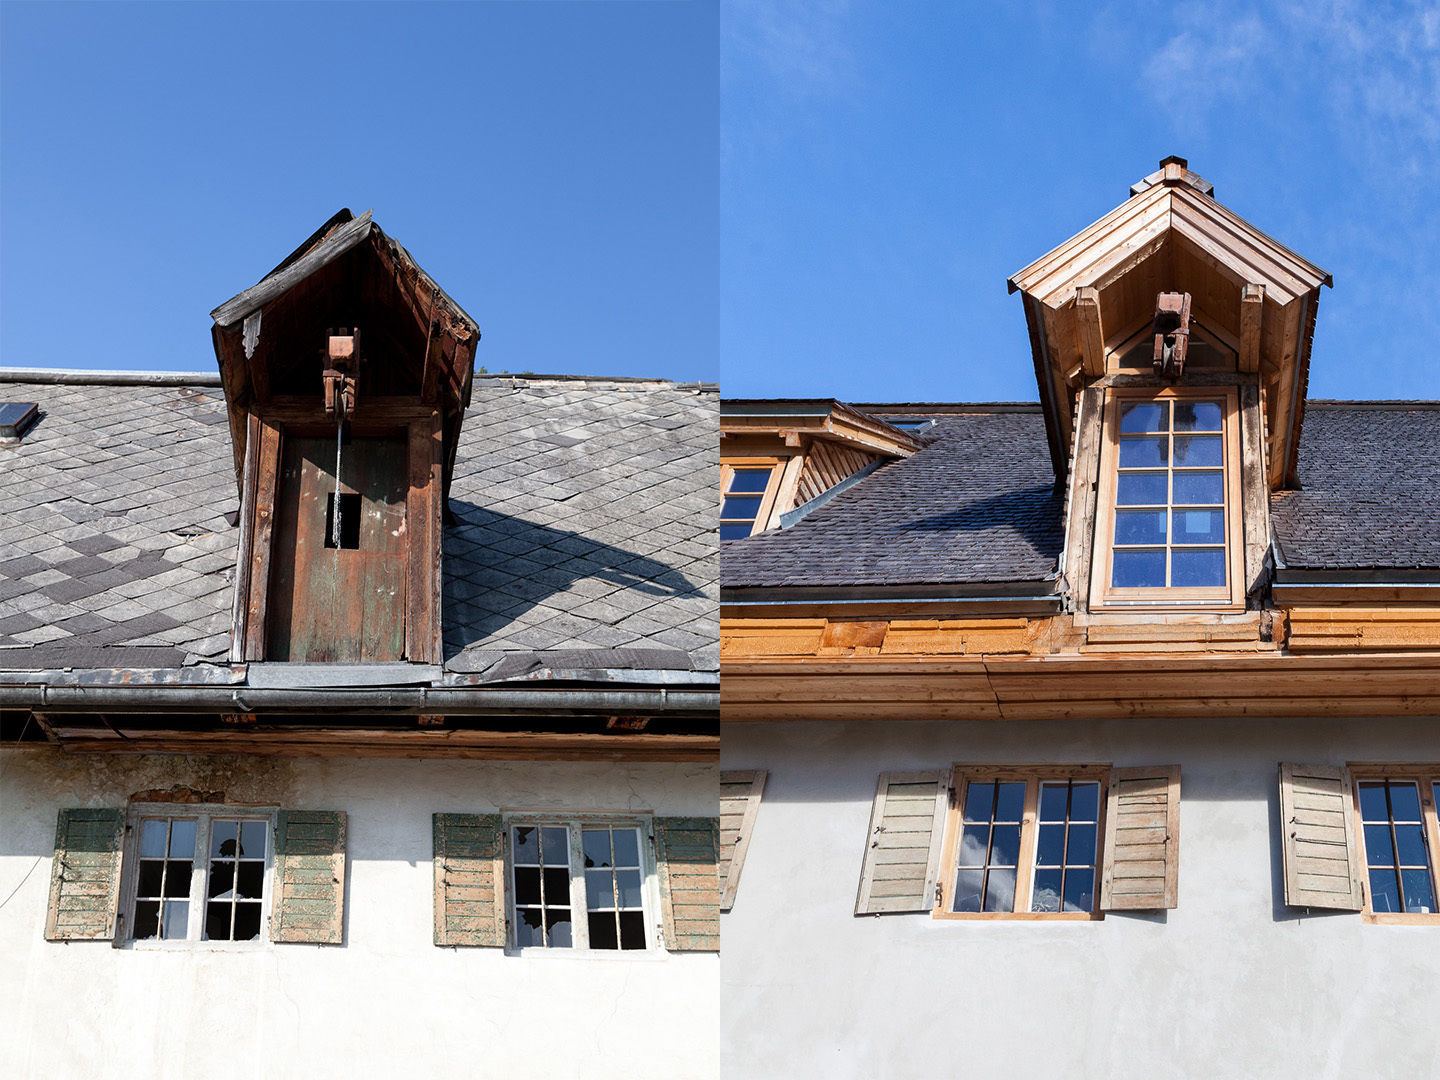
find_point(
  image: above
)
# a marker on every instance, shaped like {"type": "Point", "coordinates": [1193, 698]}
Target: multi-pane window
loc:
{"type": "Point", "coordinates": [1170, 510]}
{"type": "Point", "coordinates": [1025, 843]}
{"type": "Point", "coordinates": [578, 885]}
{"type": "Point", "coordinates": [1397, 853]}
{"type": "Point", "coordinates": [745, 499]}
{"type": "Point", "coordinates": [199, 876]}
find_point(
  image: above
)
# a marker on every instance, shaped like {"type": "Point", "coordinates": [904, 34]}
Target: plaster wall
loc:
{"type": "Point", "coordinates": [386, 1003]}
{"type": "Point", "coordinates": [1229, 984]}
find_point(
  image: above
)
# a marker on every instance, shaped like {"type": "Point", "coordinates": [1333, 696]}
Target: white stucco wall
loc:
{"type": "Point", "coordinates": [388, 1003]}
{"type": "Point", "coordinates": [1229, 984]}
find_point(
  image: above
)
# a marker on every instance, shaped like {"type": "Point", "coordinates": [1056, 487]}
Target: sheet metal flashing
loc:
{"type": "Point", "coordinates": [90, 377]}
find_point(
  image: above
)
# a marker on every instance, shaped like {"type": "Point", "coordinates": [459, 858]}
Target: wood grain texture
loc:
{"type": "Point", "coordinates": [902, 848]}
{"type": "Point", "coordinates": [1318, 845]}
{"type": "Point", "coordinates": [85, 875]}
{"type": "Point", "coordinates": [740, 794]}
{"type": "Point", "coordinates": [469, 880]}
{"type": "Point", "coordinates": [688, 860]}
{"type": "Point", "coordinates": [309, 885]}
{"type": "Point", "coordinates": [1142, 840]}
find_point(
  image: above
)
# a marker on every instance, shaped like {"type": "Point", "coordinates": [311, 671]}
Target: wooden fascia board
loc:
{"type": "Point", "coordinates": [847, 428]}
{"type": "Point", "coordinates": [1122, 217]}
{"type": "Point", "coordinates": [1296, 265]}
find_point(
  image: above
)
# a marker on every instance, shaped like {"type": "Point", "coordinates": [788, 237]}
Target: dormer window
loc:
{"type": "Point", "coordinates": [748, 497]}
{"type": "Point", "coordinates": [1168, 531]}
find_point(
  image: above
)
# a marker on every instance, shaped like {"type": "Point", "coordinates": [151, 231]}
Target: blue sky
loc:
{"type": "Point", "coordinates": [885, 168]}
{"type": "Point", "coordinates": [553, 166]}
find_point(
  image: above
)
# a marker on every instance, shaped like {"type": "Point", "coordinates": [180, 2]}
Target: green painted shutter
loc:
{"type": "Point", "coordinates": [469, 880]}
{"type": "Point", "coordinates": [85, 875]}
{"type": "Point", "coordinates": [688, 853]}
{"type": "Point", "coordinates": [309, 887]}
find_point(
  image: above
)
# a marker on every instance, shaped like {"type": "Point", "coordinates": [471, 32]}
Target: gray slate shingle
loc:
{"type": "Point", "coordinates": [113, 537]}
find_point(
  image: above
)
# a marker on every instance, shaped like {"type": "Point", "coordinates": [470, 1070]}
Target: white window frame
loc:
{"type": "Point", "coordinates": [575, 823]}
{"type": "Point", "coordinates": [203, 814]}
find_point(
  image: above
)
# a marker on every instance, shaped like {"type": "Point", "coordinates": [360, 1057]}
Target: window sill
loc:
{"type": "Point", "coordinates": [1021, 916]}
{"type": "Point", "coordinates": [1400, 918]}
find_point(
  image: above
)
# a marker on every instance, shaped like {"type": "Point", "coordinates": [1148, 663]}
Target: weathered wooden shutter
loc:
{"type": "Point", "coordinates": [688, 853]}
{"type": "Point", "coordinates": [470, 880]}
{"type": "Point", "coordinates": [85, 875]}
{"type": "Point", "coordinates": [902, 851]}
{"type": "Point", "coordinates": [1317, 824]}
{"type": "Point", "coordinates": [739, 804]}
{"type": "Point", "coordinates": [1142, 840]}
{"type": "Point", "coordinates": [309, 887]}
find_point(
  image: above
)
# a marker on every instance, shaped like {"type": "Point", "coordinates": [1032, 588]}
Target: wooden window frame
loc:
{"type": "Point", "coordinates": [421, 425]}
{"type": "Point", "coordinates": [204, 815]}
{"type": "Point", "coordinates": [961, 776]}
{"type": "Point", "coordinates": [1425, 778]}
{"type": "Point", "coordinates": [777, 467]}
{"type": "Point", "coordinates": [1223, 599]}
{"type": "Point", "coordinates": [575, 824]}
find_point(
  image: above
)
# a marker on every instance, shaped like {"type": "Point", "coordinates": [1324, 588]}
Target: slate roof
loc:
{"type": "Point", "coordinates": [1370, 489]}
{"type": "Point", "coordinates": [977, 505]}
{"type": "Point", "coordinates": [585, 532]}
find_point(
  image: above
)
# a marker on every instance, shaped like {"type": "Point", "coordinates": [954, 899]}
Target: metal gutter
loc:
{"type": "Point", "coordinates": [82, 376]}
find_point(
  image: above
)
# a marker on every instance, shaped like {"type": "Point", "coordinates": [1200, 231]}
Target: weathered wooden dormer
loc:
{"type": "Point", "coordinates": [346, 372]}
{"type": "Point", "coordinates": [1171, 342]}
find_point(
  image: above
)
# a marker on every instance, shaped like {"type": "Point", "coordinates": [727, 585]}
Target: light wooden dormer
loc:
{"type": "Point", "coordinates": [346, 371]}
{"type": "Point", "coordinates": [1089, 300]}
{"type": "Point", "coordinates": [778, 456]}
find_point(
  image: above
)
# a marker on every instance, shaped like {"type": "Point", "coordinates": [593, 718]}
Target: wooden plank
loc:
{"type": "Point", "coordinates": [1252, 313]}
{"type": "Point", "coordinates": [1090, 331]}
{"type": "Point", "coordinates": [85, 875]}
{"type": "Point", "coordinates": [1132, 879]}
{"type": "Point", "coordinates": [1319, 872]}
{"type": "Point", "coordinates": [262, 532]}
{"type": "Point", "coordinates": [740, 795]}
{"type": "Point", "coordinates": [303, 837]}
{"type": "Point", "coordinates": [249, 486]}
{"type": "Point", "coordinates": [920, 840]}
{"type": "Point", "coordinates": [343, 239]}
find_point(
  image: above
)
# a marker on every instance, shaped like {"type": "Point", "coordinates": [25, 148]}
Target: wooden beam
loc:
{"type": "Point", "coordinates": [261, 525]}
{"type": "Point", "coordinates": [1090, 330]}
{"type": "Point", "coordinates": [1252, 311]}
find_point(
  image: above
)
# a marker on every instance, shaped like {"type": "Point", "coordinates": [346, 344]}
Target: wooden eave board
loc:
{"type": "Point", "coordinates": [1132, 216]}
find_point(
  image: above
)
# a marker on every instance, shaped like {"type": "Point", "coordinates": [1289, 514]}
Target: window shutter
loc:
{"type": "Point", "coordinates": [739, 804]}
{"type": "Point", "coordinates": [687, 850]}
{"type": "Point", "coordinates": [1317, 825]}
{"type": "Point", "coordinates": [470, 880]}
{"type": "Point", "coordinates": [902, 854]}
{"type": "Point", "coordinates": [309, 887]}
{"type": "Point", "coordinates": [1142, 840]}
{"type": "Point", "coordinates": [85, 875]}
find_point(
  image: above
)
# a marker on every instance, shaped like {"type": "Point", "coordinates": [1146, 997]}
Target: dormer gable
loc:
{"type": "Point", "coordinates": [346, 372]}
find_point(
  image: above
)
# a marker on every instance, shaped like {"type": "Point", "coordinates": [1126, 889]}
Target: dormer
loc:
{"type": "Point", "coordinates": [1171, 342]}
{"type": "Point", "coordinates": [346, 372]}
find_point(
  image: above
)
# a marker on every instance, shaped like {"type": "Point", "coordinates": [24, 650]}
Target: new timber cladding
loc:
{"type": "Point", "coordinates": [85, 875]}
{"type": "Point", "coordinates": [825, 466]}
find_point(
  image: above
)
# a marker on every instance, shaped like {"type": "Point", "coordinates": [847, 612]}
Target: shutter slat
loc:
{"type": "Point", "coordinates": [85, 875]}
{"type": "Point", "coordinates": [902, 848]}
{"type": "Point", "coordinates": [1142, 840]}
{"type": "Point", "coordinates": [469, 866]}
{"type": "Point", "coordinates": [309, 893]}
{"type": "Point", "coordinates": [1317, 826]}
{"type": "Point", "coordinates": [740, 794]}
{"type": "Point", "coordinates": [688, 853]}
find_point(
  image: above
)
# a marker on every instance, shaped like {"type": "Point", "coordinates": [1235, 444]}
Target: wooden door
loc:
{"type": "Point", "coordinates": [345, 602]}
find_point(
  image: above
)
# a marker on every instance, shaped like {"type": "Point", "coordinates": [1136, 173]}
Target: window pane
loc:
{"type": "Point", "coordinates": [251, 880]}
{"type": "Point", "coordinates": [527, 844]}
{"type": "Point", "coordinates": [527, 885]}
{"type": "Point", "coordinates": [979, 800]}
{"type": "Point", "coordinates": [1080, 890]}
{"type": "Point", "coordinates": [1081, 851]}
{"type": "Point", "coordinates": [596, 845]}
{"type": "Point", "coordinates": [1005, 846]}
{"type": "Point", "coordinates": [557, 929]}
{"type": "Point", "coordinates": [1010, 801]}
{"type": "Point", "coordinates": [1384, 889]}
{"type": "Point", "coordinates": [247, 922]}
{"type": "Point", "coordinates": [628, 885]}
{"type": "Point", "coordinates": [1194, 451]}
{"type": "Point", "coordinates": [1050, 849]}
{"type": "Point", "coordinates": [1199, 488]}
{"type": "Point", "coordinates": [632, 930]}
{"type": "Point", "coordinates": [217, 921]}
{"type": "Point", "coordinates": [1047, 890]}
{"type": "Point", "coordinates": [1142, 416]}
{"type": "Point", "coordinates": [1139, 568]}
{"type": "Point", "coordinates": [1410, 845]}
{"type": "Point", "coordinates": [1144, 453]}
{"type": "Point", "coordinates": [222, 880]}
{"type": "Point", "coordinates": [967, 890]}
{"type": "Point", "coordinates": [152, 839]}
{"type": "Point", "coordinates": [147, 919]}
{"type": "Point", "coordinates": [740, 506]}
{"type": "Point", "coordinates": [627, 847]}
{"type": "Point", "coordinates": [527, 927]}
{"type": "Point", "coordinates": [1372, 802]}
{"type": "Point", "coordinates": [1139, 527]}
{"type": "Point", "coordinates": [557, 886]}
{"type": "Point", "coordinates": [1052, 801]}
{"type": "Point", "coordinates": [177, 877]}
{"type": "Point", "coordinates": [1419, 899]}
{"type": "Point", "coordinates": [252, 839]}
{"type": "Point", "coordinates": [1085, 802]}
{"type": "Point", "coordinates": [1378, 849]}
{"type": "Point", "coordinates": [734, 532]}
{"type": "Point", "coordinates": [749, 480]}
{"type": "Point", "coordinates": [600, 890]}
{"type": "Point", "coordinates": [1197, 416]}
{"type": "Point", "coordinates": [1000, 889]}
{"type": "Point", "coordinates": [973, 843]}
{"type": "Point", "coordinates": [222, 839]}
{"type": "Point", "coordinates": [602, 931]}
{"type": "Point", "coordinates": [1142, 489]}
{"type": "Point", "coordinates": [182, 840]}
{"type": "Point", "coordinates": [1196, 527]}
{"type": "Point", "coordinates": [555, 845]}
{"type": "Point", "coordinates": [1196, 567]}
{"type": "Point", "coordinates": [177, 920]}
{"type": "Point", "coordinates": [151, 873]}
{"type": "Point", "coordinates": [1405, 802]}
